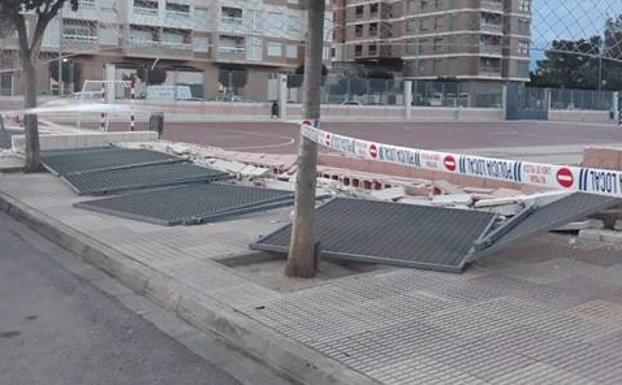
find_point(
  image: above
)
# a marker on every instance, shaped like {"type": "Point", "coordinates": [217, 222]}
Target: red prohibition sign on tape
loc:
{"type": "Point", "coordinates": [373, 150]}
{"type": "Point", "coordinates": [565, 178]}
{"type": "Point", "coordinates": [450, 163]}
{"type": "Point", "coordinates": [327, 139]}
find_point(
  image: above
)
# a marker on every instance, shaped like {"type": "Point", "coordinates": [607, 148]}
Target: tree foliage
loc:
{"type": "Point", "coordinates": [152, 76]}
{"type": "Point", "coordinates": [576, 63]}
{"type": "Point", "coordinates": [296, 80]}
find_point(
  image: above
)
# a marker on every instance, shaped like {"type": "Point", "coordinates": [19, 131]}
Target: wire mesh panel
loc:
{"type": "Point", "coordinates": [391, 233]}
{"type": "Point", "coordinates": [573, 207]}
{"type": "Point", "coordinates": [5, 137]}
{"type": "Point", "coordinates": [65, 162]}
{"type": "Point", "coordinates": [156, 175]}
{"type": "Point", "coordinates": [192, 204]}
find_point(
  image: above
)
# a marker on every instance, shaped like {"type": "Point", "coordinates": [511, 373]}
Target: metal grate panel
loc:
{"type": "Point", "coordinates": [541, 219]}
{"type": "Point", "coordinates": [123, 179]}
{"type": "Point", "coordinates": [192, 204]}
{"type": "Point", "coordinates": [64, 162]}
{"type": "Point", "coordinates": [391, 233]}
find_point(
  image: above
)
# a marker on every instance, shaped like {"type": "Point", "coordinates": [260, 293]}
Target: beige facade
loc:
{"type": "Point", "coordinates": [258, 37]}
{"type": "Point", "coordinates": [476, 40]}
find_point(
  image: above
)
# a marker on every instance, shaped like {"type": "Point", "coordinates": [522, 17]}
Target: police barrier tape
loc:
{"type": "Point", "coordinates": [580, 179]}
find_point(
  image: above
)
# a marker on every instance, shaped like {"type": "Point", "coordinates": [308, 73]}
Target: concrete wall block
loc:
{"type": "Point", "coordinates": [64, 141]}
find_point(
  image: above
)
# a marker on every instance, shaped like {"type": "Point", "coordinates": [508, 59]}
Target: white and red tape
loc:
{"type": "Point", "coordinates": [580, 179]}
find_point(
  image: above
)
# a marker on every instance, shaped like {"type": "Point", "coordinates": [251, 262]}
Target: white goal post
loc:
{"type": "Point", "coordinates": [104, 92]}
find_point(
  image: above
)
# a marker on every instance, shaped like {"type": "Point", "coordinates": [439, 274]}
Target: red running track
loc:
{"type": "Point", "coordinates": [278, 137]}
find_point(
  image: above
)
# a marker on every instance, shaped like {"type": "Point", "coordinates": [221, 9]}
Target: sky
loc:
{"type": "Point", "coordinates": [569, 19]}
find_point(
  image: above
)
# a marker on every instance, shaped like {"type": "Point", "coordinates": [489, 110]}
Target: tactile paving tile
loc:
{"type": "Point", "coordinates": [64, 162]}
{"type": "Point", "coordinates": [391, 233]}
{"type": "Point", "coordinates": [190, 204]}
{"type": "Point", "coordinates": [123, 179]}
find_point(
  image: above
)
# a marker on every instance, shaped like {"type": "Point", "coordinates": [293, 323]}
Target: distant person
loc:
{"type": "Point", "coordinates": [274, 110]}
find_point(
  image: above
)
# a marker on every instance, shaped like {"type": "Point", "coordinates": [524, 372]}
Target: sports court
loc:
{"type": "Point", "coordinates": [282, 137]}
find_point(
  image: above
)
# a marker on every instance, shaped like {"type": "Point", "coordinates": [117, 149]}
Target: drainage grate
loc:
{"type": "Point", "coordinates": [192, 204]}
{"type": "Point", "coordinates": [64, 162]}
{"type": "Point", "coordinates": [391, 233]}
{"type": "Point", "coordinates": [156, 175]}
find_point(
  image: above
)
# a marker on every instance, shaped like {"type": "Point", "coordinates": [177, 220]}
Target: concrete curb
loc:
{"type": "Point", "coordinates": [289, 358]}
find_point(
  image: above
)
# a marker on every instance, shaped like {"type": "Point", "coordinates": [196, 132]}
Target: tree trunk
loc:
{"type": "Point", "coordinates": [31, 130]}
{"type": "Point", "coordinates": [301, 261]}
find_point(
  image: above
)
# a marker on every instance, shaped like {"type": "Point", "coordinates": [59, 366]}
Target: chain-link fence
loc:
{"type": "Point", "coordinates": [565, 99]}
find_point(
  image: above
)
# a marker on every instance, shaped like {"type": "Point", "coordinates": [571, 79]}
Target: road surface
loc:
{"type": "Point", "coordinates": [58, 329]}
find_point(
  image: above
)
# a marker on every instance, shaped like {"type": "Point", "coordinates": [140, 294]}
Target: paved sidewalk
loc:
{"type": "Point", "coordinates": [549, 311]}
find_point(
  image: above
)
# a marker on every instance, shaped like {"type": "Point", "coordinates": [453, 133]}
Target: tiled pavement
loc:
{"type": "Point", "coordinates": [548, 311]}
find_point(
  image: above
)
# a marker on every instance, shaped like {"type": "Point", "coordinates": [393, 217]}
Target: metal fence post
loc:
{"type": "Point", "coordinates": [282, 96]}
{"type": "Point", "coordinates": [408, 99]}
{"type": "Point", "coordinates": [547, 102]}
{"type": "Point", "coordinates": [615, 102]}
{"type": "Point", "coordinates": [504, 102]}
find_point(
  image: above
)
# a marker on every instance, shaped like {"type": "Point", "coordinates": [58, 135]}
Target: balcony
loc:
{"type": "Point", "coordinates": [491, 5]}
{"type": "Point", "coordinates": [228, 52]}
{"type": "Point", "coordinates": [488, 49]}
{"type": "Point", "coordinates": [491, 27]}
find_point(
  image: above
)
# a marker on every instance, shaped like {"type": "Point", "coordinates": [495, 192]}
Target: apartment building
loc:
{"type": "Point", "coordinates": [474, 41]}
{"type": "Point", "coordinates": [198, 42]}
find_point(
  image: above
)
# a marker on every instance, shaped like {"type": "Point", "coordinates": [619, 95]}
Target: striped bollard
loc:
{"type": "Point", "coordinates": [132, 96]}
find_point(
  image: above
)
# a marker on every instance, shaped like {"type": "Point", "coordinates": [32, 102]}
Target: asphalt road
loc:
{"type": "Point", "coordinates": [56, 328]}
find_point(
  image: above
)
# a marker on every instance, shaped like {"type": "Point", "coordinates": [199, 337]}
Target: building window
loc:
{"type": "Point", "coordinates": [275, 49]}
{"type": "Point", "coordinates": [424, 5]}
{"type": "Point", "coordinates": [438, 45]}
{"type": "Point", "coordinates": [423, 46]}
{"type": "Point", "coordinates": [523, 47]}
{"type": "Point", "coordinates": [358, 30]}
{"type": "Point", "coordinates": [177, 7]}
{"type": "Point", "coordinates": [438, 4]}
{"type": "Point", "coordinates": [437, 66]}
{"type": "Point", "coordinates": [359, 11]}
{"type": "Point", "coordinates": [292, 52]}
{"type": "Point", "coordinates": [438, 23]}
{"type": "Point", "coordinates": [373, 10]}
{"type": "Point", "coordinates": [373, 50]}
{"type": "Point", "coordinates": [525, 6]}
{"type": "Point", "coordinates": [358, 50]}
{"type": "Point", "coordinates": [410, 6]}
{"type": "Point", "coordinates": [522, 69]}
{"type": "Point", "coordinates": [146, 4]}
{"type": "Point", "coordinates": [422, 66]}
{"type": "Point", "coordinates": [524, 27]}
{"type": "Point", "coordinates": [373, 29]}
{"type": "Point", "coordinates": [425, 24]}
{"type": "Point", "coordinates": [78, 30]}
{"type": "Point", "coordinates": [411, 47]}
{"type": "Point", "coordinates": [410, 25]}
{"type": "Point", "coordinates": [230, 15]}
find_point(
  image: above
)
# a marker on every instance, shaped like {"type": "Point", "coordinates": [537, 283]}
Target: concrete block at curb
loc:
{"type": "Point", "coordinates": [288, 357]}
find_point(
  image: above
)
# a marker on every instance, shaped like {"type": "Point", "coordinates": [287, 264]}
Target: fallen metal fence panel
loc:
{"type": "Point", "coordinates": [391, 233]}
{"type": "Point", "coordinates": [150, 176]}
{"type": "Point", "coordinates": [65, 162]}
{"type": "Point", "coordinates": [191, 204]}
